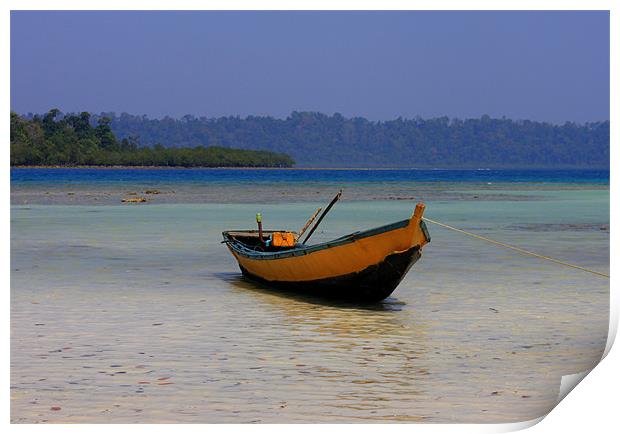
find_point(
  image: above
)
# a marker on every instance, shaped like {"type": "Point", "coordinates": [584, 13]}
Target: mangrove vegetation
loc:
{"type": "Point", "coordinates": [78, 140]}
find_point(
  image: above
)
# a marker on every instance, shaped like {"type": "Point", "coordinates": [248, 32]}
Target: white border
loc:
{"type": "Point", "coordinates": [587, 408]}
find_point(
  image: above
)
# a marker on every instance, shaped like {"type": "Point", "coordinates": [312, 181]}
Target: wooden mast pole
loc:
{"type": "Point", "coordinates": [331, 204]}
{"type": "Point", "coordinates": [309, 222]}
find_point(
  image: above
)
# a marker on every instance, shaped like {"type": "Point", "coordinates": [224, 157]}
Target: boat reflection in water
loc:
{"type": "Point", "coordinates": [358, 351]}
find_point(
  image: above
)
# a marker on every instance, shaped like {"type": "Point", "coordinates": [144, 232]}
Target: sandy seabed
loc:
{"type": "Point", "coordinates": [137, 313]}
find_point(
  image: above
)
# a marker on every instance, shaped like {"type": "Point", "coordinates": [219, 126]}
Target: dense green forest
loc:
{"type": "Point", "coordinates": [321, 140]}
{"type": "Point", "coordinates": [317, 139]}
{"type": "Point", "coordinates": [76, 139]}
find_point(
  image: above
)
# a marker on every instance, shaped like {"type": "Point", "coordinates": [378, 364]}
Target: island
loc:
{"type": "Point", "coordinates": [72, 141]}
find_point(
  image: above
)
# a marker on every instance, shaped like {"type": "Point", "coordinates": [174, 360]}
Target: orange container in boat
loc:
{"type": "Point", "coordinates": [283, 239]}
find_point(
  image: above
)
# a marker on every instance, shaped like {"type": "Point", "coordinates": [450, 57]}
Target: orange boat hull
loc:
{"type": "Point", "coordinates": [365, 265]}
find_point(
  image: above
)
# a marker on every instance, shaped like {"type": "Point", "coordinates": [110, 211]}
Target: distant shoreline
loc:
{"type": "Point", "coordinates": [143, 167]}
{"type": "Point", "coordinates": [300, 168]}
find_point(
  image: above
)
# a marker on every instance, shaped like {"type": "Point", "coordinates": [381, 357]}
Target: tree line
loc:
{"type": "Point", "coordinates": [80, 139]}
{"type": "Point", "coordinates": [316, 139]}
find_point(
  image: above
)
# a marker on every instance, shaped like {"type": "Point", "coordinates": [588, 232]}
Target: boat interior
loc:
{"type": "Point", "coordinates": [251, 240]}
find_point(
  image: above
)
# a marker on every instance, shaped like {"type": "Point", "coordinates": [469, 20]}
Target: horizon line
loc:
{"type": "Point", "coordinates": [332, 115]}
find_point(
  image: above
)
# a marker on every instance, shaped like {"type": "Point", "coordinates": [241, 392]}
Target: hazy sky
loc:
{"type": "Point", "coordinates": [551, 66]}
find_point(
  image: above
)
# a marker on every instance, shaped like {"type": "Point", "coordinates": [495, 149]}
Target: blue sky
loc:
{"type": "Point", "coordinates": [540, 65]}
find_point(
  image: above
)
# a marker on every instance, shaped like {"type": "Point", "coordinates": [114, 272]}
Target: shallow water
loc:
{"type": "Point", "coordinates": [136, 313]}
{"type": "Point", "coordinates": [110, 186]}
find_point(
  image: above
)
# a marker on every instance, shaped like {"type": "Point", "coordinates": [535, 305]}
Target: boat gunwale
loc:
{"type": "Point", "coordinates": [242, 250]}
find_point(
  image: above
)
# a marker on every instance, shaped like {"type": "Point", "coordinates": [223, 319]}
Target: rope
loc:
{"type": "Point", "coordinates": [525, 252]}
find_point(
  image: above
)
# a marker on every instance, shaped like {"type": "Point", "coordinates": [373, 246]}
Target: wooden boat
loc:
{"type": "Point", "coordinates": [364, 266]}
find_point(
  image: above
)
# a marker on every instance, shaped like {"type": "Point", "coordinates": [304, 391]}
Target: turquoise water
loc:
{"type": "Point", "coordinates": [137, 313]}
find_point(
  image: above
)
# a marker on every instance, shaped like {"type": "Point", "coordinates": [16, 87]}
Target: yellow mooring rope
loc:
{"type": "Point", "coordinates": [508, 246]}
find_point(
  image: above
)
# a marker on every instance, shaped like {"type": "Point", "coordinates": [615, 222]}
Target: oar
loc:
{"type": "Point", "coordinates": [316, 225]}
{"type": "Point", "coordinates": [308, 223]}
